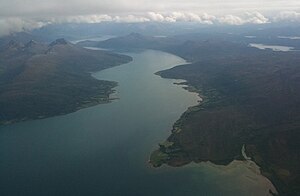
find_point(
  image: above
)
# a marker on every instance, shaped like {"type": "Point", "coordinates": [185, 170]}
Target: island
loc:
{"type": "Point", "coordinates": [39, 80]}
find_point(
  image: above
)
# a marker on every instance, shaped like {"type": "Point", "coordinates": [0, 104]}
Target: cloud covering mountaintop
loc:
{"type": "Point", "coordinates": [19, 15]}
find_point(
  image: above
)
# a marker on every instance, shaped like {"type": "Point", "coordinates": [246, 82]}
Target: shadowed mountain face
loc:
{"type": "Point", "coordinates": [132, 41]}
{"type": "Point", "coordinates": [39, 80]}
{"type": "Point", "coordinates": [250, 97]}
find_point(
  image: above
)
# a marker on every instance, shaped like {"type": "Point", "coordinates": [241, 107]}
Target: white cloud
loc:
{"type": "Point", "coordinates": [231, 19]}
{"type": "Point", "coordinates": [81, 19]}
{"type": "Point", "coordinates": [16, 24]}
{"type": "Point", "coordinates": [252, 18]}
{"type": "Point", "coordinates": [156, 17]}
{"type": "Point", "coordinates": [100, 18]}
{"type": "Point", "coordinates": [51, 8]}
{"type": "Point", "coordinates": [16, 15]}
{"type": "Point", "coordinates": [190, 17]}
{"type": "Point", "coordinates": [291, 16]}
{"type": "Point", "coordinates": [13, 25]}
{"type": "Point", "coordinates": [256, 18]}
{"type": "Point", "coordinates": [130, 19]}
{"type": "Point", "coordinates": [201, 18]}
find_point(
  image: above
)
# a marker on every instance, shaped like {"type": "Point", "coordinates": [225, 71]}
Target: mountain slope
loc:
{"type": "Point", "coordinates": [250, 97]}
{"type": "Point", "coordinates": [39, 80]}
{"type": "Point", "coordinates": [248, 100]}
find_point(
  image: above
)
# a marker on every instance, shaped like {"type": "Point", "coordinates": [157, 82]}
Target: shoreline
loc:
{"type": "Point", "coordinates": [83, 106]}
{"type": "Point", "coordinates": [88, 101]}
{"type": "Point", "coordinates": [164, 159]}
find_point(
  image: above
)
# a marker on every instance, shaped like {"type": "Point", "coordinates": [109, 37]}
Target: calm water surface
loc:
{"type": "Point", "coordinates": [104, 150]}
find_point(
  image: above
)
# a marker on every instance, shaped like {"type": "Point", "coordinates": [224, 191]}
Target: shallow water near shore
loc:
{"type": "Point", "coordinates": [104, 150]}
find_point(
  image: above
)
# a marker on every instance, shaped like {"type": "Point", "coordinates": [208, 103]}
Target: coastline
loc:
{"type": "Point", "coordinates": [95, 135]}
{"type": "Point", "coordinates": [91, 101]}
{"type": "Point", "coordinates": [159, 158]}
{"type": "Point", "coordinates": [86, 104]}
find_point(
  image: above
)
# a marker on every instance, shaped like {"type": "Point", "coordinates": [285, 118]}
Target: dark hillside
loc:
{"type": "Point", "coordinates": [39, 80]}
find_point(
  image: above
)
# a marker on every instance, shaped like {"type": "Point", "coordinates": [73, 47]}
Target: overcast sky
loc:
{"type": "Point", "coordinates": [16, 15]}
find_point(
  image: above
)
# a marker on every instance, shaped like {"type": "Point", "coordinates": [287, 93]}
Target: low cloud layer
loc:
{"type": "Point", "coordinates": [290, 16]}
{"type": "Point", "coordinates": [20, 15]}
{"type": "Point", "coordinates": [253, 18]}
{"type": "Point", "coordinates": [48, 8]}
{"type": "Point", "coordinates": [11, 25]}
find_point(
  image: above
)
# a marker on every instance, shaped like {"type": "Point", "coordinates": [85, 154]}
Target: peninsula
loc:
{"type": "Point", "coordinates": [250, 98]}
{"type": "Point", "coordinates": [39, 80]}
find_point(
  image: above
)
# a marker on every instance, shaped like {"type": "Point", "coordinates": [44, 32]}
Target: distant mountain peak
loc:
{"type": "Point", "coordinates": [30, 44]}
{"type": "Point", "coordinates": [60, 41]}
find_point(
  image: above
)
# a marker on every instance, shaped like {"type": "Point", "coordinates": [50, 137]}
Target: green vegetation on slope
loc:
{"type": "Point", "coordinates": [39, 80]}
{"type": "Point", "coordinates": [250, 97]}
{"type": "Point", "coordinates": [252, 100]}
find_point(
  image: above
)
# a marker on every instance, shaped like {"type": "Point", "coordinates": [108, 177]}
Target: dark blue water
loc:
{"type": "Point", "coordinates": [104, 150]}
